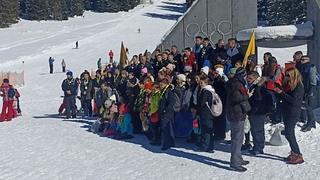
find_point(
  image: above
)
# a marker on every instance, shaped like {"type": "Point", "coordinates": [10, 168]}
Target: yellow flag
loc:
{"type": "Point", "coordinates": [123, 57]}
{"type": "Point", "coordinates": [251, 50]}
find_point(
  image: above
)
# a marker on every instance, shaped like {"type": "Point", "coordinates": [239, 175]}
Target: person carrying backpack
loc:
{"type": "Point", "coordinates": [8, 93]}
{"type": "Point", "coordinates": [205, 99]}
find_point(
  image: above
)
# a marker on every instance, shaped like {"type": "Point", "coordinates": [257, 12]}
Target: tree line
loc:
{"type": "Point", "coordinates": [12, 10]}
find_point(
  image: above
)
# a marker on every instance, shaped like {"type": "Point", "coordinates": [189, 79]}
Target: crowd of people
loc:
{"type": "Point", "coordinates": [198, 93]}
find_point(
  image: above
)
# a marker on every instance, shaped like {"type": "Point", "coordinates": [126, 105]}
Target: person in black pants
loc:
{"type": "Point", "coordinates": [292, 97]}
{"type": "Point", "coordinates": [70, 87]}
{"type": "Point", "coordinates": [206, 118]}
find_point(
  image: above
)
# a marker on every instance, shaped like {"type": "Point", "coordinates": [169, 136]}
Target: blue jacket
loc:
{"type": "Point", "coordinates": [51, 60]}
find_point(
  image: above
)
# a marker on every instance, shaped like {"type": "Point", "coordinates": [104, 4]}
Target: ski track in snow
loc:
{"type": "Point", "coordinates": [40, 145]}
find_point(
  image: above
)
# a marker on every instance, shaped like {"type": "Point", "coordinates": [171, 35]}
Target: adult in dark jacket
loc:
{"type": "Point", "coordinates": [220, 123]}
{"type": "Point", "coordinates": [220, 51]}
{"type": "Point", "coordinates": [292, 97]}
{"type": "Point", "coordinates": [177, 57]}
{"type": "Point", "coordinates": [207, 54]}
{"type": "Point", "coordinates": [70, 88]}
{"type": "Point", "coordinates": [206, 118]}
{"type": "Point", "coordinates": [257, 115]}
{"type": "Point", "coordinates": [87, 90]}
{"type": "Point", "coordinates": [237, 106]}
{"type": "Point", "coordinates": [166, 113]}
{"type": "Point", "coordinates": [197, 50]}
{"type": "Point", "coordinates": [121, 84]}
{"type": "Point", "coordinates": [234, 53]}
{"type": "Point", "coordinates": [309, 79]}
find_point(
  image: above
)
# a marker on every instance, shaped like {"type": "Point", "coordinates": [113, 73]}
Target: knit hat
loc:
{"type": "Point", "coordinates": [69, 73]}
{"type": "Point", "coordinates": [241, 72]}
{"type": "Point", "coordinates": [205, 70]}
{"type": "Point", "coordinates": [171, 67]}
{"type": "Point", "coordinates": [181, 77]}
{"type": "Point", "coordinates": [148, 85]}
{"type": "Point", "coordinates": [241, 75]}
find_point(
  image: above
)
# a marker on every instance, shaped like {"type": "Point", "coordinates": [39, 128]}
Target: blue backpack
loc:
{"type": "Point", "coordinates": [11, 93]}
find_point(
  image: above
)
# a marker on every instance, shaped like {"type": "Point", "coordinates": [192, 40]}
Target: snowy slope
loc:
{"type": "Point", "coordinates": [39, 145]}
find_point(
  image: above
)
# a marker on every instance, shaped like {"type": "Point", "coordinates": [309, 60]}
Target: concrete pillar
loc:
{"type": "Point", "coordinates": [215, 19]}
{"type": "Point", "coordinates": [313, 15]}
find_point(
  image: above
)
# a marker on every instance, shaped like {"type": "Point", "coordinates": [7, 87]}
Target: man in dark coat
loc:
{"type": "Point", "coordinates": [70, 88]}
{"type": "Point", "coordinates": [309, 79]}
{"type": "Point", "coordinates": [237, 106]}
{"type": "Point", "coordinates": [166, 112]}
{"type": "Point", "coordinates": [206, 118]}
{"type": "Point", "coordinates": [206, 54]}
{"type": "Point", "coordinates": [234, 53]}
{"type": "Point", "coordinates": [220, 51]}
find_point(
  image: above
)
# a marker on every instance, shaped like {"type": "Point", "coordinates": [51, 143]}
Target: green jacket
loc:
{"type": "Point", "coordinates": [155, 102]}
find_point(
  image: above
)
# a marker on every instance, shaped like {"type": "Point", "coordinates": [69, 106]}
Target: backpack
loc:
{"type": "Point", "coordinates": [216, 103]}
{"type": "Point", "coordinates": [11, 93]}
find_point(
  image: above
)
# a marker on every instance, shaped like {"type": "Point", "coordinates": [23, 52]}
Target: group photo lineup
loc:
{"type": "Point", "coordinates": [160, 89]}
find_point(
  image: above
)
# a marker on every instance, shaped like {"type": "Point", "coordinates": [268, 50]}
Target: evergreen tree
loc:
{"type": "Point", "coordinates": [9, 11]}
{"type": "Point", "coordinates": [282, 12]}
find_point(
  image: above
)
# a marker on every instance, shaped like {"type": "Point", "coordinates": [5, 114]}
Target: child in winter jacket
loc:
{"type": "Point", "coordinates": [8, 93]}
{"type": "Point", "coordinates": [154, 121]}
{"type": "Point", "coordinates": [125, 125]}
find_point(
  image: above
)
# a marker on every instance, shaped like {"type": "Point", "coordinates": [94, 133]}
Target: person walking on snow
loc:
{"type": "Point", "coordinates": [99, 63]}
{"type": "Point", "coordinates": [63, 64]}
{"type": "Point", "coordinates": [77, 45]}
{"type": "Point", "coordinates": [111, 56]}
{"type": "Point", "coordinates": [51, 61]}
{"type": "Point", "coordinates": [8, 93]}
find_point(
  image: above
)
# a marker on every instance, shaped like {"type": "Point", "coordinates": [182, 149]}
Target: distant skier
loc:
{"type": "Point", "coordinates": [139, 30]}
{"type": "Point", "coordinates": [99, 63]}
{"type": "Point", "coordinates": [111, 56]}
{"type": "Point", "coordinates": [63, 64]}
{"type": "Point", "coordinates": [77, 45]}
{"type": "Point", "coordinates": [51, 61]}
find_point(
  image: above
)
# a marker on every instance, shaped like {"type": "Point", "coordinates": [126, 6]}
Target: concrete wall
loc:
{"type": "Point", "coordinates": [215, 19]}
{"type": "Point", "coordinates": [314, 45]}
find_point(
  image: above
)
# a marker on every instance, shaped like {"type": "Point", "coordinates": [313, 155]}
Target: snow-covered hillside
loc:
{"type": "Point", "coordinates": [39, 145]}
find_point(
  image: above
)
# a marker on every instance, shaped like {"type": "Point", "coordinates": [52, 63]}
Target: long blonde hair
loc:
{"type": "Point", "coordinates": [293, 77]}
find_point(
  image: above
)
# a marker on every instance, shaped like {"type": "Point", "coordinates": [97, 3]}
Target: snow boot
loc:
{"type": "Point", "coordinates": [296, 159]}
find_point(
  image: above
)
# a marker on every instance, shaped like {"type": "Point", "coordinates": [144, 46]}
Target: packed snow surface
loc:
{"type": "Point", "coordinates": [39, 145]}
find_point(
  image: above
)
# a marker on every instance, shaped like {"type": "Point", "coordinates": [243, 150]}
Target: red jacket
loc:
{"type": "Point", "coordinates": [111, 54]}
{"type": "Point", "coordinates": [190, 60]}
